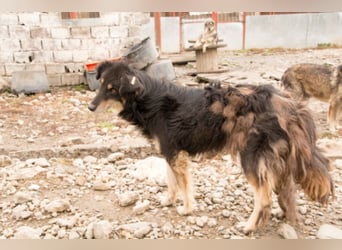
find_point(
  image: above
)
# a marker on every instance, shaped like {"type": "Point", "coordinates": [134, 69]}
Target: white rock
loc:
{"type": "Point", "coordinates": [102, 229]}
{"type": "Point", "coordinates": [152, 168]}
{"type": "Point", "coordinates": [22, 197]}
{"type": "Point", "coordinates": [57, 206]}
{"type": "Point", "coordinates": [167, 228]}
{"type": "Point", "coordinates": [338, 164]}
{"type": "Point", "coordinates": [101, 186]}
{"type": "Point", "coordinates": [115, 156]}
{"type": "Point", "coordinates": [90, 159]}
{"type": "Point", "coordinates": [128, 198]}
{"type": "Point", "coordinates": [73, 235]}
{"type": "Point", "coordinates": [26, 232]}
{"type": "Point", "coordinates": [21, 212]}
{"type": "Point", "coordinates": [42, 162]}
{"type": "Point", "coordinates": [327, 231]}
{"type": "Point", "coordinates": [201, 221]}
{"type": "Point", "coordinates": [26, 173]}
{"type": "Point", "coordinates": [287, 231]}
{"type": "Point", "coordinates": [141, 207]}
{"type": "Point", "coordinates": [5, 161]}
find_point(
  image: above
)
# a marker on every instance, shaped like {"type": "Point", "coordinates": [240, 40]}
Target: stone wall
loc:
{"type": "Point", "coordinates": [44, 41]}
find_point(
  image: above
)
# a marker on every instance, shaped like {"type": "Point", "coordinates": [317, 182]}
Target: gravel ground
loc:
{"type": "Point", "coordinates": [67, 173]}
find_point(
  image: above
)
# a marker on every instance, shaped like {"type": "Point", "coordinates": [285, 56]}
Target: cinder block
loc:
{"type": "Point", "coordinates": [110, 19]}
{"type": "Point", "coordinates": [11, 67]}
{"type": "Point", "coordinates": [29, 18]}
{"type": "Point", "coordinates": [39, 32]}
{"type": "Point", "coordinates": [100, 31]}
{"type": "Point", "coordinates": [80, 32]}
{"type": "Point", "coordinates": [29, 82]}
{"type": "Point", "coordinates": [71, 79]}
{"type": "Point", "coordinates": [55, 80]}
{"type": "Point", "coordinates": [4, 33]}
{"type": "Point", "coordinates": [23, 57]}
{"type": "Point", "coordinates": [50, 19]}
{"type": "Point", "coordinates": [31, 44]}
{"type": "Point", "coordinates": [118, 32]}
{"type": "Point", "coordinates": [19, 32]}
{"type": "Point", "coordinates": [35, 67]}
{"type": "Point", "coordinates": [42, 56]}
{"type": "Point", "coordinates": [2, 70]}
{"type": "Point", "coordinates": [62, 56]}
{"type": "Point", "coordinates": [71, 44]}
{"type": "Point", "coordinates": [74, 67]}
{"type": "Point", "coordinates": [60, 32]}
{"type": "Point", "coordinates": [6, 56]}
{"type": "Point", "coordinates": [55, 68]}
{"type": "Point", "coordinates": [80, 55]}
{"type": "Point", "coordinates": [99, 54]}
{"type": "Point", "coordinates": [9, 19]}
{"type": "Point", "coordinates": [10, 44]}
{"type": "Point", "coordinates": [52, 44]}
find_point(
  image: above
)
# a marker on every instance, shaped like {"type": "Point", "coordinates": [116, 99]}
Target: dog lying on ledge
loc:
{"type": "Point", "coordinates": [273, 136]}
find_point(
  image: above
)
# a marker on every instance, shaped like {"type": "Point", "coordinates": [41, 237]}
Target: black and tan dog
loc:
{"type": "Point", "coordinates": [320, 81]}
{"type": "Point", "coordinates": [273, 136]}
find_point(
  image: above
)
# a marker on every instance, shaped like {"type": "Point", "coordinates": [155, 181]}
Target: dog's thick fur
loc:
{"type": "Point", "coordinates": [307, 80]}
{"type": "Point", "coordinates": [273, 136]}
{"type": "Point", "coordinates": [208, 37]}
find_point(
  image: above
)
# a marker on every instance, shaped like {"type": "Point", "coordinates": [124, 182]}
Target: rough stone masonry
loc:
{"type": "Point", "coordinates": [43, 41]}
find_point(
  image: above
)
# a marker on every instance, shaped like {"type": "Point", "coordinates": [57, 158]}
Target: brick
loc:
{"type": "Point", "coordinates": [99, 54]}
{"type": "Point", "coordinates": [35, 67]}
{"type": "Point", "coordinates": [55, 80]}
{"type": "Point", "coordinates": [74, 67]}
{"type": "Point", "coordinates": [9, 19]}
{"type": "Point", "coordinates": [31, 44]}
{"type": "Point", "coordinates": [100, 31]}
{"type": "Point", "coordinates": [42, 56]}
{"type": "Point", "coordinates": [110, 19]}
{"type": "Point", "coordinates": [6, 56]}
{"type": "Point", "coordinates": [71, 79]}
{"type": "Point", "coordinates": [52, 44]}
{"type": "Point", "coordinates": [29, 18]}
{"type": "Point", "coordinates": [135, 30]}
{"type": "Point", "coordinates": [93, 44]}
{"type": "Point", "coordinates": [2, 69]}
{"type": "Point", "coordinates": [80, 32]}
{"type": "Point", "coordinates": [55, 68]}
{"type": "Point", "coordinates": [4, 33]}
{"type": "Point", "coordinates": [118, 32]}
{"type": "Point", "coordinates": [23, 57]}
{"type": "Point", "coordinates": [19, 32]}
{"type": "Point", "coordinates": [11, 67]}
{"type": "Point", "coordinates": [39, 32]}
{"type": "Point", "coordinates": [62, 56]}
{"type": "Point", "coordinates": [50, 19]}
{"type": "Point", "coordinates": [140, 18]}
{"type": "Point", "coordinates": [80, 55]}
{"type": "Point", "coordinates": [9, 44]}
{"type": "Point", "coordinates": [71, 44]}
{"type": "Point", "coordinates": [60, 32]}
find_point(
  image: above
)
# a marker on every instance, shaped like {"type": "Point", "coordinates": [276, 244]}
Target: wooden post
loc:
{"type": "Point", "coordinates": [157, 28]}
{"type": "Point", "coordinates": [206, 62]}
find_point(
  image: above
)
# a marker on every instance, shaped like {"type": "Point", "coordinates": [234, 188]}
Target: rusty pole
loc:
{"type": "Point", "coordinates": [157, 29]}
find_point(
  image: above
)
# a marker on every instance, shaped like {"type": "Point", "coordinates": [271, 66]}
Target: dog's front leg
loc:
{"type": "Point", "coordinates": [179, 179]}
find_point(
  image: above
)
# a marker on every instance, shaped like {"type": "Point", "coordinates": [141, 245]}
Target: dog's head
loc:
{"type": "Point", "coordinates": [209, 25]}
{"type": "Point", "coordinates": [118, 84]}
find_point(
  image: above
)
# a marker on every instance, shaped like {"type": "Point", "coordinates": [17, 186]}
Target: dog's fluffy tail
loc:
{"type": "Point", "coordinates": [312, 167]}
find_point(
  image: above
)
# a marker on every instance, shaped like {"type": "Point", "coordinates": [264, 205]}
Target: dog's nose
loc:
{"type": "Point", "coordinates": [92, 107]}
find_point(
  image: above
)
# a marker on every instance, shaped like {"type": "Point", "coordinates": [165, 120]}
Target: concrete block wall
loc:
{"type": "Point", "coordinates": [60, 47]}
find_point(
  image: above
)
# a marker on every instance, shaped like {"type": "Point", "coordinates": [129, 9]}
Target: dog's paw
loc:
{"type": "Point", "coordinates": [182, 210]}
{"type": "Point", "coordinates": [245, 227]}
{"type": "Point", "coordinates": [166, 201]}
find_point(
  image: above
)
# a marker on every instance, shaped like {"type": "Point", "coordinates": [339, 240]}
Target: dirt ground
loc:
{"type": "Point", "coordinates": [91, 158]}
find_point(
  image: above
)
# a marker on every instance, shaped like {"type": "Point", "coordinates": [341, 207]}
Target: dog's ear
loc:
{"type": "Point", "coordinates": [130, 86]}
{"type": "Point", "coordinates": [102, 67]}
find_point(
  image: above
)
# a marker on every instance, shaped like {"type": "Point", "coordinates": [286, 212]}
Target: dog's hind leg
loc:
{"type": "Point", "coordinates": [171, 188]}
{"type": "Point", "coordinates": [287, 200]}
{"type": "Point", "coordinates": [262, 188]}
{"type": "Point", "coordinates": [334, 107]}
